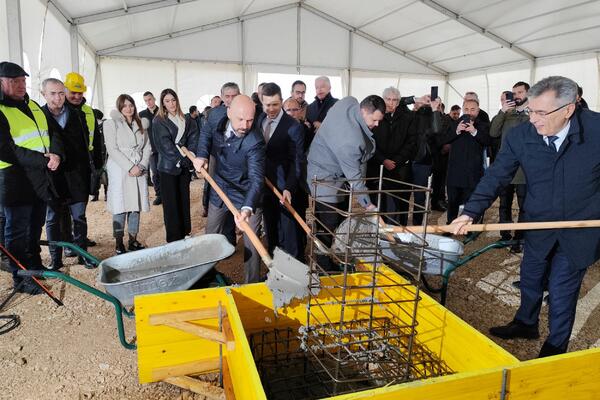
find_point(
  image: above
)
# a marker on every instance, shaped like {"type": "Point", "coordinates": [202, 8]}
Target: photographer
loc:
{"type": "Point", "coordinates": [468, 136]}
{"type": "Point", "coordinates": [512, 114]}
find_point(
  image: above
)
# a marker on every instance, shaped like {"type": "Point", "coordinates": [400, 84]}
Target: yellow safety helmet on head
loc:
{"type": "Point", "coordinates": [75, 82]}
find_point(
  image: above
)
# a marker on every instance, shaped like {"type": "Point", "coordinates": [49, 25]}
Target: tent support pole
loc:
{"type": "Point", "coordinates": [15, 37]}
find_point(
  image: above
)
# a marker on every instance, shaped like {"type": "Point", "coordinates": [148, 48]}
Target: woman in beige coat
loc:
{"type": "Point", "coordinates": [128, 148]}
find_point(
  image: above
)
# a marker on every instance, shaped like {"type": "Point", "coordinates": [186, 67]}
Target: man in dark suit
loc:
{"type": "Point", "coordinates": [284, 138]}
{"type": "Point", "coordinates": [468, 138]}
{"type": "Point", "coordinates": [239, 154]}
{"type": "Point", "coordinates": [558, 151]}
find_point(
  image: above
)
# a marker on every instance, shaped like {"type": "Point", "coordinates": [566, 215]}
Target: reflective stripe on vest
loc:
{"type": "Point", "coordinates": [24, 131]}
{"type": "Point", "coordinates": [90, 120]}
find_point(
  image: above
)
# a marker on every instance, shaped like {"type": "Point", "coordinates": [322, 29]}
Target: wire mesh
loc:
{"type": "Point", "coordinates": [359, 332]}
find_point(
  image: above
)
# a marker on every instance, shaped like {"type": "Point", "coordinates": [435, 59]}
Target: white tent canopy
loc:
{"type": "Point", "coordinates": [193, 46]}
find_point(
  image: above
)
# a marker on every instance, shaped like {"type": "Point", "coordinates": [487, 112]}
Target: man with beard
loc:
{"type": "Point", "coordinates": [512, 114]}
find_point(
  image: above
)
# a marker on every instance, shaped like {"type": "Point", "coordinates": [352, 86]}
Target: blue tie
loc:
{"type": "Point", "coordinates": [551, 140]}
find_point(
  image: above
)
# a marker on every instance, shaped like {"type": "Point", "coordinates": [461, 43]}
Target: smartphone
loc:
{"type": "Point", "coordinates": [509, 95]}
{"type": "Point", "coordinates": [434, 93]}
{"type": "Point", "coordinates": [465, 119]}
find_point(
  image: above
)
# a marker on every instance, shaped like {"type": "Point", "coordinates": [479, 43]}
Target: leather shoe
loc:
{"type": "Point", "coordinates": [29, 287]}
{"type": "Point", "coordinates": [515, 329]}
{"type": "Point", "coordinates": [69, 253]}
{"type": "Point", "coordinates": [548, 350]}
{"type": "Point", "coordinates": [135, 245]}
{"type": "Point", "coordinates": [89, 242]}
{"type": "Point", "coordinates": [157, 201]}
{"type": "Point", "coordinates": [86, 263]}
{"type": "Point", "coordinates": [55, 266]}
{"type": "Point", "coordinates": [120, 249]}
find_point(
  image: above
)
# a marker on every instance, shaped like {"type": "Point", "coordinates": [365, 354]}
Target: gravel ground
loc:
{"type": "Point", "coordinates": [72, 352]}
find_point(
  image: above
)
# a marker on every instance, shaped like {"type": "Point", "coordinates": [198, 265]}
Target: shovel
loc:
{"type": "Point", "coordinates": [288, 278]}
{"type": "Point", "coordinates": [296, 216]}
{"type": "Point", "coordinates": [517, 226]}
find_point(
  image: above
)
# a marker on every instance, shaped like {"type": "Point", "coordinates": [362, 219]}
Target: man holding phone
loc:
{"type": "Point", "coordinates": [512, 114]}
{"type": "Point", "coordinates": [468, 136]}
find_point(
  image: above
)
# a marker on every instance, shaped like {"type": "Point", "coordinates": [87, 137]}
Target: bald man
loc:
{"type": "Point", "coordinates": [240, 172]}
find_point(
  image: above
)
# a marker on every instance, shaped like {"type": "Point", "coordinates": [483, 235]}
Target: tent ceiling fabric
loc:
{"type": "Point", "coordinates": [408, 36]}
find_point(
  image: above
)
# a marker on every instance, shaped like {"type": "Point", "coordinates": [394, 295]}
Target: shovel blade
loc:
{"type": "Point", "coordinates": [288, 279]}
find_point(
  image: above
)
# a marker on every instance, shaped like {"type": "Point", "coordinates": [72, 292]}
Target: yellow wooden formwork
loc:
{"type": "Point", "coordinates": [479, 364]}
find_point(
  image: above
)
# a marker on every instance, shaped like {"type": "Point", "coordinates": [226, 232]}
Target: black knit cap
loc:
{"type": "Point", "coordinates": [11, 70]}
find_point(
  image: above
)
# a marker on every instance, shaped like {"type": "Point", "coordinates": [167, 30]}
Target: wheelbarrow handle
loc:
{"type": "Point", "coordinates": [28, 273]}
{"type": "Point", "coordinates": [515, 226]}
{"type": "Point", "coordinates": [264, 254]}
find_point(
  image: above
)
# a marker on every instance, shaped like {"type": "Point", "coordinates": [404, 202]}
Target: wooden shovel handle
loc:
{"type": "Point", "coordinates": [517, 226]}
{"type": "Point", "coordinates": [296, 216]}
{"type": "Point", "coordinates": [288, 206]}
{"type": "Point", "coordinates": [264, 254]}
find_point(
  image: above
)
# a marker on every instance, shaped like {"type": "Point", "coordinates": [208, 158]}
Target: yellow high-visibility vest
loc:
{"type": "Point", "coordinates": [25, 132]}
{"type": "Point", "coordinates": [90, 120]}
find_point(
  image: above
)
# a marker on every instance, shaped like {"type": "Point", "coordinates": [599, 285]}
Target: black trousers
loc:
{"type": "Point", "coordinates": [396, 203]}
{"type": "Point", "coordinates": [155, 174]}
{"type": "Point", "coordinates": [280, 227]}
{"type": "Point", "coordinates": [505, 209]}
{"type": "Point", "coordinates": [327, 220]}
{"type": "Point", "coordinates": [438, 183]}
{"type": "Point", "coordinates": [175, 194]}
{"type": "Point", "coordinates": [456, 197]}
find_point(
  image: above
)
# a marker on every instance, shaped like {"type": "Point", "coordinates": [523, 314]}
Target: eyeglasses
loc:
{"type": "Point", "coordinates": [544, 114]}
{"type": "Point", "coordinates": [289, 110]}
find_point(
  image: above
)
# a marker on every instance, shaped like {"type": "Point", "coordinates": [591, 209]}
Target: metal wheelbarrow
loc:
{"type": "Point", "coordinates": [441, 257]}
{"type": "Point", "coordinates": [172, 267]}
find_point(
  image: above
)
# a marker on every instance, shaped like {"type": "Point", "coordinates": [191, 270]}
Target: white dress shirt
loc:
{"type": "Point", "coordinates": [561, 135]}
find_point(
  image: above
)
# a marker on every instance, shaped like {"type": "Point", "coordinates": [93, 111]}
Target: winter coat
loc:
{"type": "Point", "coordinates": [239, 165]}
{"type": "Point", "coordinates": [465, 161]}
{"type": "Point", "coordinates": [170, 160]}
{"type": "Point", "coordinates": [396, 140]}
{"type": "Point", "coordinates": [501, 124]}
{"type": "Point", "coordinates": [74, 173]}
{"type": "Point", "coordinates": [561, 186]}
{"type": "Point", "coordinates": [126, 147]}
{"type": "Point", "coordinates": [340, 151]}
{"type": "Point", "coordinates": [28, 178]}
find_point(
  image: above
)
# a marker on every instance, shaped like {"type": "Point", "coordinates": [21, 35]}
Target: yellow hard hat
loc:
{"type": "Point", "coordinates": [75, 82]}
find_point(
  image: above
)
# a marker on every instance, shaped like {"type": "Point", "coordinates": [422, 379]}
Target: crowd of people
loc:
{"type": "Point", "coordinates": [52, 159]}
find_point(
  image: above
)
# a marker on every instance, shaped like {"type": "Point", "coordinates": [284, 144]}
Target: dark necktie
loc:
{"type": "Point", "coordinates": [267, 132]}
{"type": "Point", "coordinates": [551, 140]}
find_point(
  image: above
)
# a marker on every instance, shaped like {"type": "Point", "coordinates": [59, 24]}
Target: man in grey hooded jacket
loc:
{"type": "Point", "coordinates": [339, 153]}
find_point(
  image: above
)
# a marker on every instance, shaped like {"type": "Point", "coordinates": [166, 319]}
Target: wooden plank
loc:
{"type": "Point", "coordinates": [207, 390]}
{"type": "Point", "coordinates": [192, 368]}
{"type": "Point", "coordinates": [185, 315]}
{"type": "Point", "coordinates": [200, 331]}
{"type": "Point", "coordinates": [228, 334]}
{"type": "Point", "coordinates": [227, 382]}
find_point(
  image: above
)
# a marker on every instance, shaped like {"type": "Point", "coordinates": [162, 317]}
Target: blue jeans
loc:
{"type": "Point", "coordinates": [54, 215]}
{"type": "Point", "coordinates": [22, 232]}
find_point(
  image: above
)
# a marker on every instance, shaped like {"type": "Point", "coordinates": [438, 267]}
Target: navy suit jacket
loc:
{"type": "Point", "coordinates": [239, 168]}
{"type": "Point", "coordinates": [563, 185]}
{"type": "Point", "coordinates": [285, 153]}
{"type": "Point", "coordinates": [215, 116]}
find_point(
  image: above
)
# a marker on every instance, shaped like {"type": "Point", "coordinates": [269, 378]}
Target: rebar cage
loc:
{"type": "Point", "coordinates": [357, 335]}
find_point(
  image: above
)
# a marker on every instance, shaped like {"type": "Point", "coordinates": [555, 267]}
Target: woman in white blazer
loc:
{"type": "Point", "coordinates": [128, 148]}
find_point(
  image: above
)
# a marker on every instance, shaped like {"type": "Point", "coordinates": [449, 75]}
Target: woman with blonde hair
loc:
{"type": "Point", "coordinates": [128, 148]}
{"type": "Point", "coordinates": [173, 130]}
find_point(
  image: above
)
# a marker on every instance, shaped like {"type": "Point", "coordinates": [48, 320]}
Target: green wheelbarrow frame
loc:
{"type": "Point", "coordinates": [453, 266]}
{"type": "Point", "coordinates": [120, 310]}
